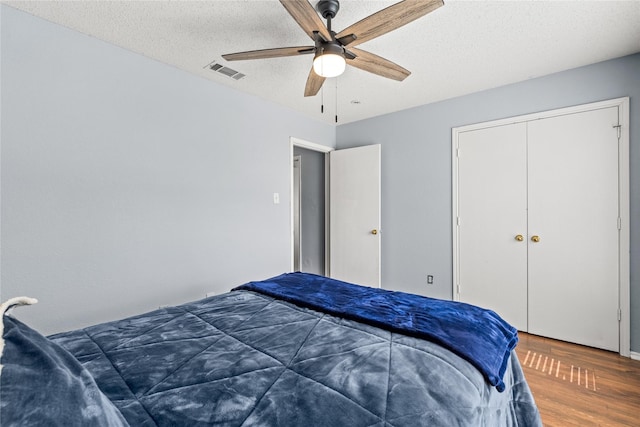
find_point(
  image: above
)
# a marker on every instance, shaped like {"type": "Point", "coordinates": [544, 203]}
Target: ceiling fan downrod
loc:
{"type": "Point", "coordinates": [328, 9]}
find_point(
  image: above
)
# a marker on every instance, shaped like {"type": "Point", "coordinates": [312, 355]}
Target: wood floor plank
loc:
{"type": "Point", "coordinates": [574, 385]}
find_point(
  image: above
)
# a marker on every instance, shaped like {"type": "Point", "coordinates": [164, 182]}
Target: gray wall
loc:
{"type": "Point", "coordinates": [128, 184]}
{"type": "Point", "coordinates": [312, 233]}
{"type": "Point", "coordinates": [416, 168]}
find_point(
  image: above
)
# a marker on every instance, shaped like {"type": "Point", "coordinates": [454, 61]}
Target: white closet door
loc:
{"type": "Point", "coordinates": [573, 208]}
{"type": "Point", "coordinates": [492, 211]}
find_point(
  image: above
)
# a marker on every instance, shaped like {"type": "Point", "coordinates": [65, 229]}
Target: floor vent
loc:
{"type": "Point", "coordinates": [229, 72]}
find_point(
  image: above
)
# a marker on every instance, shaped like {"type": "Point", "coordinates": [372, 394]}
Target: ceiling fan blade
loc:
{"type": "Point", "coordinates": [307, 17]}
{"type": "Point", "coordinates": [389, 19]}
{"type": "Point", "coordinates": [314, 83]}
{"type": "Point", "coordinates": [269, 53]}
{"type": "Point", "coordinates": [377, 65]}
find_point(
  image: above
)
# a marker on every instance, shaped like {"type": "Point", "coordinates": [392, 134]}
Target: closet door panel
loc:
{"type": "Point", "coordinates": [492, 211]}
{"type": "Point", "coordinates": [573, 209]}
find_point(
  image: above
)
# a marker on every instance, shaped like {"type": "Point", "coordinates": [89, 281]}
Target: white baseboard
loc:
{"type": "Point", "coordinates": [635, 356]}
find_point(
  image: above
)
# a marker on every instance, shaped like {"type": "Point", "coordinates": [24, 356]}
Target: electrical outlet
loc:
{"type": "Point", "coordinates": [430, 279]}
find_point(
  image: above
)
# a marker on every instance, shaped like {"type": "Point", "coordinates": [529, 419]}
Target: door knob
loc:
{"type": "Point", "coordinates": [519, 238]}
{"type": "Point", "coordinates": [535, 239]}
{"type": "Point", "coordinates": [374, 231]}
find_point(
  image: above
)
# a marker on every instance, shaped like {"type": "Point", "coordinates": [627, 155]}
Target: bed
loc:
{"type": "Point", "coordinates": [294, 350]}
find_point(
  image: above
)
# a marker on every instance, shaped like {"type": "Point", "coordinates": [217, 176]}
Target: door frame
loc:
{"type": "Point", "coordinates": [297, 142]}
{"type": "Point", "coordinates": [296, 202]}
{"type": "Point", "coordinates": [624, 272]}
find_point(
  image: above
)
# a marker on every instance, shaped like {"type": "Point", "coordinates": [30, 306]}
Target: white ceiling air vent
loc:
{"type": "Point", "coordinates": [229, 72]}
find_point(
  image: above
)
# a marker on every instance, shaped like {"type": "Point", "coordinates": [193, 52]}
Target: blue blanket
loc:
{"type": "Point", "coordinates": [477, 335]}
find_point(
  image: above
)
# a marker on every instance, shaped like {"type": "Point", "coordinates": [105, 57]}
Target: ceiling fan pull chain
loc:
{"type": "Point", "coordinates": [336, 100]}
{"type": "Point", "coordinates": [322, 100]}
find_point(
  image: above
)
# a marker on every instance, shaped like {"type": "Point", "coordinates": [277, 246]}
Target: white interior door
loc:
{"type": "Point", "coordinates": [492, 213]}
{"type": "Point", "coordinates": [573, 209]}
{"type": "Point", "coordinates": [354, 212]}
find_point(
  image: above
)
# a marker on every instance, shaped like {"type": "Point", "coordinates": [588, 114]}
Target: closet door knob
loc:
{"type": "Point", "coordinates": [374, 231]}
{"type": "Point", "coordinates": [535, 239]}
{"type": "Point", "coordinates": [519, 238]}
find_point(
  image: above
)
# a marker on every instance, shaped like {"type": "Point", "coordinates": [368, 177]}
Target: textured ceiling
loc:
{"type": "Point", "coordinates": [462, 47]}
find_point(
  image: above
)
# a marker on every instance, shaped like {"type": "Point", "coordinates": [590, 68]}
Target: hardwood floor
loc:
{"type": "Point", "coordinates": [574, 385]}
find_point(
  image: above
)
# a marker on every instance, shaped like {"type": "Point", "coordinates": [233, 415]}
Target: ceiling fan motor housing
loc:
{"type": "Point", "coordinates": [326, 48]}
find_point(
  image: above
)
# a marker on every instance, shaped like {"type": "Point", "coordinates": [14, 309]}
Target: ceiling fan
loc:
{"type": "Point", "coordinates": [333, 51]}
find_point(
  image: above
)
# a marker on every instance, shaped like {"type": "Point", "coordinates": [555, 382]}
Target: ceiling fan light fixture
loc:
{"type": "Point", "coordinates": [329, 61]}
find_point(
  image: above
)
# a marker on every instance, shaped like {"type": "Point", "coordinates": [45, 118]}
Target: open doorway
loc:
{"type": "Point", "coordinates": [309, 210]}
{"type": "Point", "coordinates": [309, 206]}
{"type": "Point", "coordinates": [345, 219]}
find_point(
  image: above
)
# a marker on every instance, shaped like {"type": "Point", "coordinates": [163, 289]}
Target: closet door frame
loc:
{"type": "Point", "coordinates": [623, 197]}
